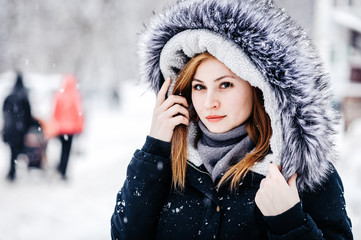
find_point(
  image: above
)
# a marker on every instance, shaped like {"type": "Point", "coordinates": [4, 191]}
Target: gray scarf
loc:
{"type": "Point", "coordinates": [219, 151]}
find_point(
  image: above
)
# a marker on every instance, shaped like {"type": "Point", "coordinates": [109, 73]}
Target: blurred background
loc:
{"type": "Point", "coordinates": [96, 41]}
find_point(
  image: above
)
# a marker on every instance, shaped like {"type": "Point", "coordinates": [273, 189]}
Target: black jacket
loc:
{"type": "Point", "coordinates": [147, 207]}
{"type": "Point", "coordinates": [17, 115]}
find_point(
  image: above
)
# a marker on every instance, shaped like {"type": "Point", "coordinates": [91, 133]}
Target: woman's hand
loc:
{"type": "Point", "coordinates": [168, 113]}
{"type": "Point", "coordinates": [275, 195]}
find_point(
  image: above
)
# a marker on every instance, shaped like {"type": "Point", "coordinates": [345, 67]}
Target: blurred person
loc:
{"type": "Point", "coordinates": [67, 119]}
{"type": "Point", "coordinates": [240, 145]}
{"type": "Point", "coordinates": [17, 121]}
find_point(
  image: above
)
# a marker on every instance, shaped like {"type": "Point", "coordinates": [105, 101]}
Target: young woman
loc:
{"type": "Point", "coordinates": [240, 145]}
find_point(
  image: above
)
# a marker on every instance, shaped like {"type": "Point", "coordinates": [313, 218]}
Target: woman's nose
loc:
{"type": "Point", "coordinates": [211, 101]}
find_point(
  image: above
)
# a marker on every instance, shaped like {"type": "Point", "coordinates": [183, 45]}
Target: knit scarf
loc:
{"type": "Point", "coordinates": [219, 151]}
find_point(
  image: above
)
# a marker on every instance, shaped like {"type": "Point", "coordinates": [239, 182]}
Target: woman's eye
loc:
{"type": "Point", "coordinates": [198, 87]}
{"type": "Point", "coordinates": [226, 85]}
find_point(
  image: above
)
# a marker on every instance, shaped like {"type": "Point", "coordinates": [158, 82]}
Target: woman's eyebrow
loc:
{"type": "Point", "coordinates": [197, 80]}
{"type": "Point", "coordinates": [217, 79]}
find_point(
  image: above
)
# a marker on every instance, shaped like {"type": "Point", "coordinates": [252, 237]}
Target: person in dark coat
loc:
{"type": "Point", "coordinates": [17, 120]}
{"type": "Point", "coordinates": [240, 145]}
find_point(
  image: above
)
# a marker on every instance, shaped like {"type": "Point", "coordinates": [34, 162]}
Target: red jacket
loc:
{"type": "Point", "coordinates": [68, 117]}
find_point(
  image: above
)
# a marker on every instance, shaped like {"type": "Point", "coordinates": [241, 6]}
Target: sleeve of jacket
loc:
{"type": "Point", "coordinates": [321, 215]}
{"type": "Point", "coordinates": [141, 198]}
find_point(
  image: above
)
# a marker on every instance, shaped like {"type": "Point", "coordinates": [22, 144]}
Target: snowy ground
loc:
{"type": "Point", "coordinates": [39, 205]}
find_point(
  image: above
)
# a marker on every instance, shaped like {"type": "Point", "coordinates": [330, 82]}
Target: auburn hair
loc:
{"type": "Point", "coordinates": [258, 127]}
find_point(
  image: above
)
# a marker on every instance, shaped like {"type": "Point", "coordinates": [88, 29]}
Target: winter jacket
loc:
{"type": "Point", "coordinates": [147, 207]}
{"type": "Point", "coordinates": [68, 117]}
{"type": "Point", "coordinates": [261, 44]}
{"type": "Point", "coordinates": [17, 115]}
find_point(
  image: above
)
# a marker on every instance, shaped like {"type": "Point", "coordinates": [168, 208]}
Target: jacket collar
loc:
{"type": "Point", "coordinates": [200, 179]}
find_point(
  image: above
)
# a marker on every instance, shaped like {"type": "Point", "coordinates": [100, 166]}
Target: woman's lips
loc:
{"type": "Point", "coordinates": [214, 118]}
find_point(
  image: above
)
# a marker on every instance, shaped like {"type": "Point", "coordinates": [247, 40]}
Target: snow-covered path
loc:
{"type": "Point", "coordinates": [39, 205]}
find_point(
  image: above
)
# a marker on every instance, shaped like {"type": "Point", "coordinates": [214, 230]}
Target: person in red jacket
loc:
{"type": "Point", "coordinates": [68, 118]}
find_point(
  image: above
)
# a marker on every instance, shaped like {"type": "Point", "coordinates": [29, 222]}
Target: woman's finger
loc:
{"type": "Point", "coordinates": [274, 170]}
{"type": "Point", "coordinates": [177, 109]}
{"type": "Point", "coordinates": [179, 120]}
{"type": "Point", "coordinates": [172, 100]}
{"type": "Point", "coordinates": [163, 92]}
{"type": "Point", "coordinates": [292, 181]}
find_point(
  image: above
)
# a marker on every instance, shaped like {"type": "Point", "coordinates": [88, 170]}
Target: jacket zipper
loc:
{"type": "Point", "coordinates": [204, 172]}
{"type": "Point", "coordinates": [196, 168]}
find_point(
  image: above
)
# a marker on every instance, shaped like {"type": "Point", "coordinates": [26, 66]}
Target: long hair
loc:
{"type": "Point", "coordinates": [258, 127]}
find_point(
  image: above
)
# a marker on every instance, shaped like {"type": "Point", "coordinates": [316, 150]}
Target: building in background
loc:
{"type": "Point", "coordinates": [337, 33]}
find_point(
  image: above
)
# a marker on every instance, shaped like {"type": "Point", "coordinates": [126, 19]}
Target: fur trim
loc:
{"type": "Point", "coordinates": [286, 61]}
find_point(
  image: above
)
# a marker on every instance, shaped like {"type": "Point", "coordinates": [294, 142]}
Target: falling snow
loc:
{"type": "Point", "coordinates": [160, 166]}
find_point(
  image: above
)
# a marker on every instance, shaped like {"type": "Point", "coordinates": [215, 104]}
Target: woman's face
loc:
{"type": "Point", "coordinates": [221, 99]}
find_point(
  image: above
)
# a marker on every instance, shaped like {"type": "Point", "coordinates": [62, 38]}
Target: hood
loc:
{"type": "Point", "coordinates": [261, 44]}
{"type": "Point", "coordinates": [19, 84]}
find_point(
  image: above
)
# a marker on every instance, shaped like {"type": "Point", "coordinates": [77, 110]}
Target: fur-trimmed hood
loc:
{"type": "Point", "coordinates": [261, 44]}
